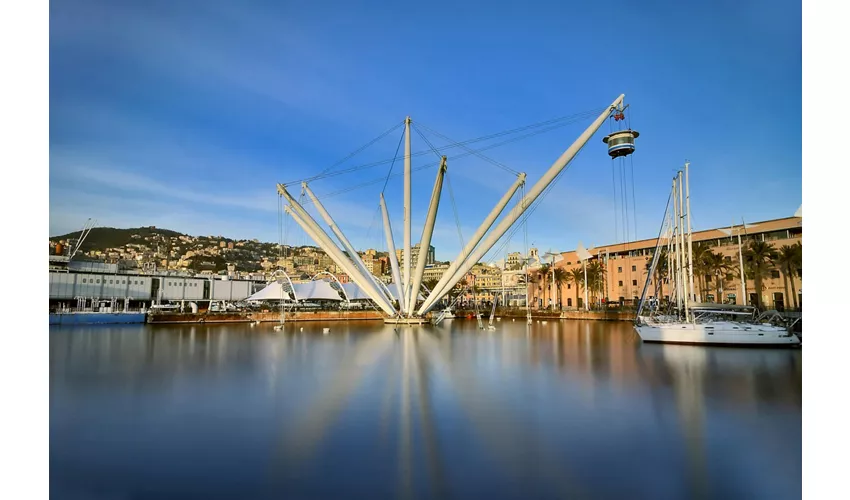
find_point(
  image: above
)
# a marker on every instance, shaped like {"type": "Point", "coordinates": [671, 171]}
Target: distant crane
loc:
{"type": "Point", "coordinates": [74, 245]}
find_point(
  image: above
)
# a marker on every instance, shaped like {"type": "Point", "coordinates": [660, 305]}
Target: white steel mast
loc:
{"type": "Point", "coordinates": [690, 238]}
{"type": "Point", "coordinates": [425, 241]}
{"type": "Point", "coordinates": [312, 228]}
{"type": "Point", "coordinates": [347, 246]}
{"type": "Point", "coordinates": [388, 233]}
{"type": "Point", "coordinates": [533, 194]}
{"type": "Point", "coordinates": [406, 263]}
{"type": "Point", "coordinates": [467, 249]}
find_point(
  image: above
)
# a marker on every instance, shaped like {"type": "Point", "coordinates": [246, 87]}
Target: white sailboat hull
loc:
{"type": "Point", "coordinates": [717, 333]}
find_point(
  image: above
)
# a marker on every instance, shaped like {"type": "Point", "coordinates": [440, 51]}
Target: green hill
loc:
{"type": "Point", "coordinates": [101, 238]}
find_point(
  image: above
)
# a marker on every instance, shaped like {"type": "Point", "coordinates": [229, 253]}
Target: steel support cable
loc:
{"type": "Point", "coordinates": [558, 123]}
{"type": "Point", "coordinates": [395, 157]}
{"type": "Point", "coordinates": [416, 129]}
{"type": "Point", "coordinates": [485, 158]}
{"type": "Point", "coordinates": [536, 204]}
{"type": "Point", "coordinates": [454, 209]}
{"type": "Point", "coordinates": [634, 204]}
{"type": "Point", "coordinates": [361, 148]}
{"type": "Point", "coordinates": [429, 165]}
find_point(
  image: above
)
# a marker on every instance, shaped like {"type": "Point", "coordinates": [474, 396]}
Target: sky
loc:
{"type": "Point", "coordinates": [184, 115]}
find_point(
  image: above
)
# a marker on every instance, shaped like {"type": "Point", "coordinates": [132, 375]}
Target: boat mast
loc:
{"type": "Point", "coordinates": [407, 207]}
{"type": "Point", "coordinates": [682, 245]}
{"type": "Point", "coordinates": [690, 236]}
{"type": "Point", "coordinates": [674, 250]}
{"type": "Point", "coordinates": [741, 264]}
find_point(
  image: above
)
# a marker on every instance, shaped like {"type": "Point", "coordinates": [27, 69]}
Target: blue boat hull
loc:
{"type": "Point", "coordinates": [92, 318]}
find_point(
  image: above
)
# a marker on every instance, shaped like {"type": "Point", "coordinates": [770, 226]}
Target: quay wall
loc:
{"type": "Point", "coordinates": [547, 315]}
{"type": "Point", "coordinates": [247, 317]}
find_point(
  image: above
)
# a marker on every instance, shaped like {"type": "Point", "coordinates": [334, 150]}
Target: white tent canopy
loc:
{"type": "Point", "coordinates": [274, 291]}
{"type": "Point", "coordinates": [312, 290]}
{"type": "Point", "coordinates": [354, 292]}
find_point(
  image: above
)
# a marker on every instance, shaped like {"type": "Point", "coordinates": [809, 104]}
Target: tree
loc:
{"type": "Point", "coordinates": [559, 279]}
{"type": "Point", "coordinates": [789, 260]}
{"type": "Point", "coordinates": [758, 263]}
{"type": "Point", "coordinates": [595, 277]}
{"type": "Point", "coordinates": [576, 276]}
{"type": "Point", "coordinates": [702, 257]}
{"type": "Point", "coordinates": [661, 271]}
{"type": "Point", "coordinates": [544, 276]}
{"type": "Point", "coordinates": [716, 266]}
{"type": "Point", "coordinates": [430, 284]}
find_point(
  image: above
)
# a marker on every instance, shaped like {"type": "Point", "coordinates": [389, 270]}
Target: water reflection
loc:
{"type": "Point", "coordinates": [556, 410]}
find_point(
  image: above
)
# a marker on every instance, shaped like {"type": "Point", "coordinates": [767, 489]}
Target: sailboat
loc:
{"type": "Point", "coordinates": [685, 321]}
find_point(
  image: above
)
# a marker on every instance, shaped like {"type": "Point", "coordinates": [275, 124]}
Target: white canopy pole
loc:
{"type": "Point", "coordinates": [388, 232]}
{"type": "Point", "coordinates": [440, 289]}
{"type": "Point", "coordinates": [533, 194]}
{"type": "Point", "coordinates": [425, 241]}
{"type": "Point", "coordinates": [407, 202]}
{"type": "Point", "coordinates": [312, 228]}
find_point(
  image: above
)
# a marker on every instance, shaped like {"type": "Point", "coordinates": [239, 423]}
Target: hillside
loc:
{"type": "Point", "coordinates": [101, 238]}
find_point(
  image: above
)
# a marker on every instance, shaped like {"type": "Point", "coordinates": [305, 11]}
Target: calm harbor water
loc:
{"type": "Point", "coordinates": [567, 409]}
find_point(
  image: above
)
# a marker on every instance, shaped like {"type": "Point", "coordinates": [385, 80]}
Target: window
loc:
{"type": "Point", "coordinates": [727, 258]}
{"type": "Point", "coordinates": [634, 268]}
{"type": "Point", "coordinates": [569, 263]}
{"type": "Point", "coordinates": [729, 277]}
{"type": "Point", "coordinates": [634, 283]}
{"type": "Point", "coordinates": [110, 282]}
{"type": "Point", "coordinates": [619, 269]}
{"type": "Point", "coordinates": [774, 274]}
{"type": "Point", "coordinates": [569, 286]}
{"type": "Point", "coordinates": [708, 278]}
{"type": "Point", "coordinates": [621, 283]}
{"type": "Point", "coordinates": [84, 280]}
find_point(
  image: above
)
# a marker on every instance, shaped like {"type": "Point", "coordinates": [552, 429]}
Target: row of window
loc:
{"type": "Point", "coordinates": [168, 283]}
{"type": "Point", "coordinates": [116, 282]}
{"type": "Point", "coordinates": [634, 283]}
{"type": "Point", "coordinates": [620, 269]}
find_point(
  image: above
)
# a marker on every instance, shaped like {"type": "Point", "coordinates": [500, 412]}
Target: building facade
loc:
{"type": "Point", "coordinates": [626, 268]}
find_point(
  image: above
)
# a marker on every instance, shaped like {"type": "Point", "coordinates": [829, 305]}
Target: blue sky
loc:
{"type": "Point", "coordinates": [185, 114]}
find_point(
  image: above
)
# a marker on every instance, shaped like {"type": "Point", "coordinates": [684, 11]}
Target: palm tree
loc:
{"type": "Point", "coordinates": [790, 261]}
{"type": "Point", "coordinates": [559, 279]}
{"type": "Point", "coordinates": [576, 276]}
{"type": "Point", "coordinates": [699, 258]}
{"type": "Point", "coordinates": [544, 275]}
{"type": "Point", "coordinates": [595, 276]}
{"type": "Point", "coordinates": [430, 284]}
{"type": "Point", "coordinates": [758, 263]}
{"type": "Point", "coordinates": [661, 270]}
{"type": "Point", "coordinates": [716, 266]}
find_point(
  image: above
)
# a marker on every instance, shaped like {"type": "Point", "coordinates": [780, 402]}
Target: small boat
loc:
{"type": "Point", "coordinates": [447, 313]}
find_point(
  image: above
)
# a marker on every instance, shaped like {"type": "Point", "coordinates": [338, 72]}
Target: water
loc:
{"type": "Point", "coordinates": [569, 409]}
